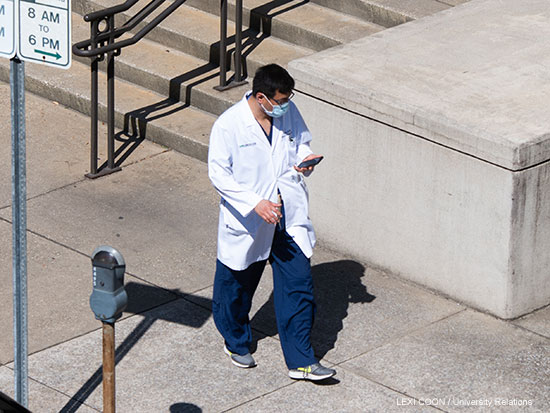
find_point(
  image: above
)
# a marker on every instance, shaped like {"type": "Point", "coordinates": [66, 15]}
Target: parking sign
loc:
{"type": "Point", "coordinates": [7, 28]}
{"type": "Point", "coordinates": [45, 32]}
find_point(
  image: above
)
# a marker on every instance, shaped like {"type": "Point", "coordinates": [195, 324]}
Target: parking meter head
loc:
{"type": "Point", "coordinates": [109, 298]}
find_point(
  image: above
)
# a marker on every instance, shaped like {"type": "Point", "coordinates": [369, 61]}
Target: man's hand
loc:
{"type": "Point", "coordinates": [309, 169]}
{"type": "Point", "coordinates": [269, 211]}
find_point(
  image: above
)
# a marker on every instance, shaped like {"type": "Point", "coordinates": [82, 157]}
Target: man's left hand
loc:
{"type": "Point", "coordinates": [308, 169]}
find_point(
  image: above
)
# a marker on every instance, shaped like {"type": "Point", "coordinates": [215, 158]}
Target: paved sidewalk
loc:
{"type": "Point", "coordinates": [397, 347]}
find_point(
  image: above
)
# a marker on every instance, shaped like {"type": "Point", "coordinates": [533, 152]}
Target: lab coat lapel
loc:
{"type": "Point", "coordinates": [276, 133]}
{"type": "Point", "coordinates": [252, 124]}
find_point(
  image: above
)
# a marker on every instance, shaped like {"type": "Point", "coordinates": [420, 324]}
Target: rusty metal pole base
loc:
{"type": "Point", "coordinates": [109, 405]}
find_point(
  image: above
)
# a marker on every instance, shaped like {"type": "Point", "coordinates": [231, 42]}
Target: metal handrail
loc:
{"type": "Point", "coordinates": [103, 43]}
{"type": "Point", "coordinates": [83, 48]}
{"type": "Point", "coordinates": [109, 11]}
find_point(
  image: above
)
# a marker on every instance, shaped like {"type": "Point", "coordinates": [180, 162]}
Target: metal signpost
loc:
{"type": "Point", "coordinates": [37, 31]}
{"type": "Point", "coordinates": [19, 227]}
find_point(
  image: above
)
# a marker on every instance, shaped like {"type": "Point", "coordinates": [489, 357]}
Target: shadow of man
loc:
{"type": "Point", "coordinates": [336, 285]}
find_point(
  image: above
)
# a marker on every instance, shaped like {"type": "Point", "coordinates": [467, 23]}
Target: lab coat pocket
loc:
{"type": "Point", "coordinates": [291, 149]}
{"type": "Point", "coordinates": [236, 224]}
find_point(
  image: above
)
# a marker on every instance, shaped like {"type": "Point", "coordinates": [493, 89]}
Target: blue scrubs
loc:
{"type": "Point", "coordinates": [293, 296]}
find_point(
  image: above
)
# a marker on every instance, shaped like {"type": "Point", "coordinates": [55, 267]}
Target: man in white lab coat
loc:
{"type": "Point", "coordinates": [255, 148]}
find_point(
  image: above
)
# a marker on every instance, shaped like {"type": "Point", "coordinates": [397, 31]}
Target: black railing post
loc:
{"type": "Point", "coordinates": [238, 40]}
{"type": "Point", "coordinates": [223, 44]}
{"type": "Point", "coordinates": [103, 44]}
{"type": "Point", "coordinates": [111, 102]}
{"type": "Point", "coordinates": [110, 110]}
{"type": "Point", "coordinates": [93, 103]}
{"type": "Point", "coordinates": [93, 143]}
{"type": "Point", "coordinates": [238, 77]}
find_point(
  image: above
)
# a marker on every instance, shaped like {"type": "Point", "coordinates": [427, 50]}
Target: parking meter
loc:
{"type": "Point", "coordinates": [109, 298]}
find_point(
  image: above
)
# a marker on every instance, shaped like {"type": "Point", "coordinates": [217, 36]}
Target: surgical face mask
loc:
{"type": "Point", "coordinates": [277, 111]}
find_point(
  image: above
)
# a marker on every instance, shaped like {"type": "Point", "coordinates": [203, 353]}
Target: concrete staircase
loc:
{"type": "Point", "coordinates": [167, 79]}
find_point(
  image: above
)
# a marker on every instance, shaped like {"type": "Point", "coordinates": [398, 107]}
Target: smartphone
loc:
{"type": "Point", "coordinates": [311, 162]}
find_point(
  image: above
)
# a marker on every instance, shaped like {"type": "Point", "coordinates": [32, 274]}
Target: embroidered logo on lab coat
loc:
{"type": "Point", "coordinates": [244, 145]}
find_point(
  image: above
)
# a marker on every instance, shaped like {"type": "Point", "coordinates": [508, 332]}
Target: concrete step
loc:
{"type": "Point", "coordinates": [298, 22]}
{"type": "Point", "coordinates": [389, 13]}
{"type": "Point", "coordinates": [180, 77]}
{"type": "Point", "coordinates": [164, 121]}
{"type": "Point", "coordinates": [196, 32]}
{"type": "Point", "coordinates": [178, 60]}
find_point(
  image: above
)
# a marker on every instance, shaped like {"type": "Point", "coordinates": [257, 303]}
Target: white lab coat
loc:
{"type": "Point", "coordinates": [244, 168]}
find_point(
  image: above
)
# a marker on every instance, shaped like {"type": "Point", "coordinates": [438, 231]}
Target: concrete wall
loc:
{"type": "Point", "coordinates": [437, 153]}
{"type": "Point", "coordinates": [530, 248]}
{"type": "Point", "coordinates": [430, 214]}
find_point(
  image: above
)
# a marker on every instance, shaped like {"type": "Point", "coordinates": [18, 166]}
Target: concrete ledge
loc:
{"type": "Point", "coordinates": [387, 13]}
{"type": "Point", "coordinates": [436, 139]}
{"type": "Point", "coordinates": [473, 78]}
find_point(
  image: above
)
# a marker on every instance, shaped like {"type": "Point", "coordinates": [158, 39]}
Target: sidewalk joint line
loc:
{"type": "Point", "coordinates": [544, 307]}
{"type": "Point", "coordinates": [60, 392]}
{"type": "Point", "coordinates": [130, 315]}
{"type": "Point", "coordinates": [259, 397]}
{"type": "Point", "coordinates": [528, 330]}
{"type": "Point", "coordinates": [56, 344]}
{"type": "Point", "coordinates": [397, 338]}
{"type": "Point", "coordinates": [178, 294]}
{"type": "Point", "coordinates": [372, 380]}
{"type": "Point", "coordinates": [84, 180]}
{"type": "Point", "coordinates": [55, 189]}
{"type": "Point", "coordinates": [58, 243]}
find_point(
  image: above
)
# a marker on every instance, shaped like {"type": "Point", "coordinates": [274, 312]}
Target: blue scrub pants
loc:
{"type": "Point", "coordinates": [293, 296]}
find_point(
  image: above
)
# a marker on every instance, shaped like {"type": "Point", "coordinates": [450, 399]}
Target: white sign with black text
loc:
{"type": "Point", "coordinates": [7, 28]}
{"type": "Point", "coordinates": [45, 32]}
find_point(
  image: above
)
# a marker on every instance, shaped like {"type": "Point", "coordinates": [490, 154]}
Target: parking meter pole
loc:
{"type": "Point", "coordinates": [109, 404]}
{"type": "Point", "coordinates": [108, 301]}
{"type": "Point", "coordinates": [19, 227]}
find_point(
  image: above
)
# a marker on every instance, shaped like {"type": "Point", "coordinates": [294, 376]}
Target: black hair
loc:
{"type": "Point", "coordinates": [272, 78]}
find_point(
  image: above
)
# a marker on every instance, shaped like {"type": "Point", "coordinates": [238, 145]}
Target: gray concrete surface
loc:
{"type": "Point", "coordinates": [352, 318]}
{"type": "Point", "coordinates": [304, 24]}
{"type": "Point", "coordinates": [539, 322]}
{"type": "Point", "coordinates": [44, 399]}
{"type": "Point", "coordinates": [468, 356]}
{"type": "Point", "coordinates": [58, 291]}
{"type": "Point", "coordinates": [193, 31]}
{"type": "Point", "coordinates": [143, 216]}
{"type": "Point", "coordinates": [183, 77]}
{"type": "Point", "coordinates": [389, 13]}
{"type": "Point", "coordinates": [60, 146]}
{"type": "Point", "coordinates": [188, 134]}
{"type": "Point", "coordinates": [393, 343]}
{"type": "Point", "coordinates": [184, 43]}
{"type": "Point", "coordinates": [480, 88]}
{"type": "Point", "coordinates": [446, 150]}
{"type": "Point", "coordinates": [432, 215]}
